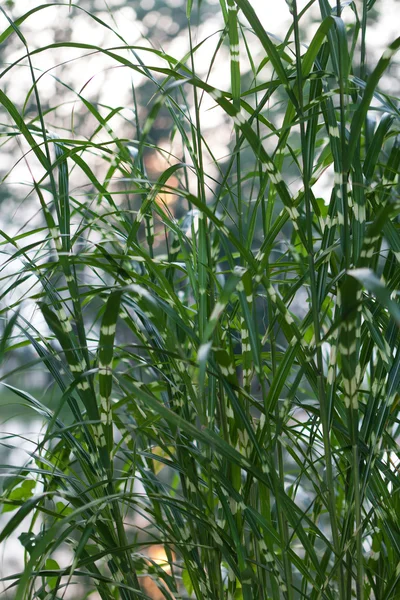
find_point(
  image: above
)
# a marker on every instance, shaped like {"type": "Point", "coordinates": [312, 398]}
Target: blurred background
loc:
{"type": "Point", "coordinates": [66, 77]}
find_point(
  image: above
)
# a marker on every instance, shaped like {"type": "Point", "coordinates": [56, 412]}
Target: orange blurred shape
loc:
{"type": "Point", "coordinates": [167, 197]}
{"type": "Point", "coordinates": [156, 164]}
{"type": "Point", "coordinates": [157, 554]}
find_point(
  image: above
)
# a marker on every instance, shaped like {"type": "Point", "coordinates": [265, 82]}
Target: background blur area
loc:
{"type": "Point", "coordinates": [66, 76]}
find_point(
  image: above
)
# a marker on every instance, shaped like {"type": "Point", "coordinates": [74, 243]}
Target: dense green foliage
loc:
{"type": "Point", "coordinates": [228, 374]}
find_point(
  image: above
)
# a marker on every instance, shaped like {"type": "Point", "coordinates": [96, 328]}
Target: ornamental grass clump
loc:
{"type": "Point", "coordinates": [221, 336]}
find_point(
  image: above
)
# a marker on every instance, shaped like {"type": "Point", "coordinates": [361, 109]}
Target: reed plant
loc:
{"type": "Point", "coordinates": [222, 339]}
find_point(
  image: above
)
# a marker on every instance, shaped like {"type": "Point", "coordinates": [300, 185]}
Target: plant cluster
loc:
{"type": "Point", "coordinates": [227, 372]}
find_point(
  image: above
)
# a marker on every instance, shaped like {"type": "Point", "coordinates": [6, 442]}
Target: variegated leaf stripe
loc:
{"type": "Point", "coordinates": [161, 297]}
{"type": "Point", "coordinates": [221, 230]}
{"type": "Point", "coordinates": [329, 113]}
{"type": "Point", "coordinates": [234, 50]}
{"type": "Point", "coordinates": [241, 434]}
{"type": "Point", "coordinates": [55, 233]}
{"type": "Point", "coordinates": [325, 99]}
{"type": "Point", "coordinates": [350, 339]}
{"type": "Point", "coordinates": [106, 354]}
{"type": "Point", "coordinates": [220, 447]}
{"type": "Point", "coordinates": [365, 104]}
{"type": "Point", "coordinates": [351, 329]}
{"type": "Point", "coordinates": [226, 364]}
{"type": "Point", "coordinates": [234, 503]}
{"type": "Point", "coordinates": [298, 347]}
{"type": "Point", "coordinates": [270, 560]}
{"type": "Point", "coordinates": [78, 366]}
{"type": "Point", "coordinates": [62, 202]}
{"type": "Point", "coordinates": [149, 223]}
{"type": "Point", "coordinates": [138, 319]}
{"type": "Point", "coordinates": [256, 520]}
{"type": "Point", "coordinates": [202, 250]}
{"type": "Point", "coordinates": [239, 120]}
{"type": "Point", "coordinates": [68, 271]}
{"type": "Point", "coordinates": [339, 54]}
{"type": "Point", "coordinates": [149, 201]}
{"type": "Point", "coordinates": [173, 249]}
{"type": "Point", "coordinates": [385, 195]}
{"type": "Point", "coordinates": [58, 322]}
{"type": "Point", "coordinates": [191, 491]}
{"type": "Point", "coordinates": [230, 505]}
{"type": "Point", "coordinates": [247, 301]}
{"type": "Point", "coordinates": [327, 227]}
{"type": "Point", "coordinates": [340, 177]}
{"type": "Point", "coordinates": [249, 332]}
{"type": "Point", "coordinates": [67, 152]}
{"type": "Point", "coordinates": [333, 128]}
{"type": "Point", "coordinates": [381, 394]}
{"type": "Point", "coordinates": [280, 308]}
{"type": "Point", "coordinates": [374, 232]}
{"type": "Point", "coordinates": [159, 342]}
{"type": "Point", "coordinates": [234, 282]}
{"type": "Point", "coordinates": [332, 360]}
{"type": "Point", "coordinates": [71, 440]}
{"type": "Point", "coordinates": [357, 204]}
